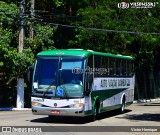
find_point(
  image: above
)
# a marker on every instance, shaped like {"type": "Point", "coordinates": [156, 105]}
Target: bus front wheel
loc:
{"type": "Point", "coordinates": [94, 116]}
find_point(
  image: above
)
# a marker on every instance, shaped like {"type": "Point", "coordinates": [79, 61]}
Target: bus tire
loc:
{"type": "Point", "coordinates": [94, 116]}
{"type": "Point", "coordinates": [123, 105]}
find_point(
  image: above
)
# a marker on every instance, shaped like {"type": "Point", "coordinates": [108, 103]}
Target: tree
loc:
{"type": "Point", "coordinates": [105, 15]}
{"type": "Point", "coordinates": [12, 63]}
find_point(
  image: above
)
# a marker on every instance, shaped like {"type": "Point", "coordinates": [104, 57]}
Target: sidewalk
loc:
{"type": "Point", "coordinates": [14, 109]}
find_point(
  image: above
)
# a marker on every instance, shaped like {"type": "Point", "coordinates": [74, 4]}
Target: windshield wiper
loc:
{"type": "Point", "coordinates": [52, 84]}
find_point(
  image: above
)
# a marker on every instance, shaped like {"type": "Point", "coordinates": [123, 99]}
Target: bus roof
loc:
{"type": "Point", "coordinates": [80, 52]}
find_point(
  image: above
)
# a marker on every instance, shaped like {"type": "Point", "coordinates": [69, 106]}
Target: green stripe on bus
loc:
{"type": "Point", "coordinates": [105, 94]}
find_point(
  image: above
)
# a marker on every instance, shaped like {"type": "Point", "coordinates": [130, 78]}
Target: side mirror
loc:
{"type": "Point", "coordinates": [90, 78]}
{"type": "Point", "coordinates": [29, 74]}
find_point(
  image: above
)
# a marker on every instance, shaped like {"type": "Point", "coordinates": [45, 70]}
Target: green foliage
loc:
{"type": "Point", "coordinates": [8, 15]}
{"type": "Point", "coordinates": [58, 3]}
{"type": "Point", "coordinates": [12, 63]}
{"type": "Point", "coordinates": [106, 15]}
{"type": "Point", "coordinates": [95, 14]}
{"type": "Point", "coordinates": [43, 38]}
{"type": "Point", "coordinates": [8, 52]}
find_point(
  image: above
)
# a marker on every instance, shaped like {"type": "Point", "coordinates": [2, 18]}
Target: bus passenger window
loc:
{"type": "Point", "coordinates": [124, 67]}
{"type": "Point", "coordinates": [111, 66]}
{"type": "Point", "coordinates": [108, 66]}
{"type": "Point", "coordinates": [118, 67]}
{"type": "Point", "coordinates": [97, 62]}
{"type": "Point", "coordinates": [127, 68]}
{"type": "Point", "coordinates": [104, 66]}
{"type": "Point", "coordinates": [130, 68]}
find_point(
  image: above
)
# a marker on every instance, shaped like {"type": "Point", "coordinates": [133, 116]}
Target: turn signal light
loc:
{"type": "Point", "coordinates": [76, 105]}
{"type": "Point", "coordinates": [35, 104]}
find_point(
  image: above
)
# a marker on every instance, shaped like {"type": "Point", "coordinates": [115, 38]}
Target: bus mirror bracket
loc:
{"type": "Point", "coordinates": [29, 74]}
{"type": "Point", "coordinates": [90, 78]}
{"type": "Point", "coordinates": [89, 81]}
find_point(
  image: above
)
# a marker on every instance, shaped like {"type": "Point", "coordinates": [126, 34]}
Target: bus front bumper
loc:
{"type": "Point", "coordinates": [58, 111]}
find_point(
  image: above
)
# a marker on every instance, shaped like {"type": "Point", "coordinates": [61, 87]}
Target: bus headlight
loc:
{"type": "Point", "coordinates": [76, 105]}
{"type": "Point", "coordinates": [36, 104]}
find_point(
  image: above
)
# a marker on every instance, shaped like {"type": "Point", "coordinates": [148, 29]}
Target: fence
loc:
{"type": "Point", "coordinates": [147, 85]}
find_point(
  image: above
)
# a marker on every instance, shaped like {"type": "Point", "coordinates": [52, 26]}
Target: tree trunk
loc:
{"type": "Point", "coordinates": [20, 93]}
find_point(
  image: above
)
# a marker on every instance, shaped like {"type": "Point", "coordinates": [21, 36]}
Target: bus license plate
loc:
{"type": "Point", "coordinates": [55, 111]}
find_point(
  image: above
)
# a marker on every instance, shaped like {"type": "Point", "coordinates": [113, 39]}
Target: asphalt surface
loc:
{"type": "Point", "coordinates": [137, 118]}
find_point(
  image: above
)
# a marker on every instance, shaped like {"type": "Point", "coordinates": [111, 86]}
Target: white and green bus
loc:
{"type": "Point", "coordinates": [77, 82]}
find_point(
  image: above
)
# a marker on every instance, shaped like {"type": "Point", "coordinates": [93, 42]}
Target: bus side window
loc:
{"type": "Point", "coordinates": [127, 68]}
{"type": "Point", "coordinates": [111, 66]}
{"type": "Point", "coordinates": [97, 63]}
{"type": "Point", "coordinates": [118, 67]}
{"type": "Point", "coordinates": [124, 67]}
{"type": "Point", "coordinates": [104, 66]}
{"type": "Point", "coordinates": [130, 68]}
{"type": "Point", "coordinates": [108, 66]}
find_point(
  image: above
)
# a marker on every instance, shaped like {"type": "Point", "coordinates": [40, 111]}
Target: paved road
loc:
{"type": "Point", "coordinates": [142, 114]}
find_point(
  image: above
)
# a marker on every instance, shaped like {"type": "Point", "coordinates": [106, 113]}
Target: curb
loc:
{"type": "Point", "coordinates": [15, 109]}
{"type": "Point", "coordinates": [145, 100]}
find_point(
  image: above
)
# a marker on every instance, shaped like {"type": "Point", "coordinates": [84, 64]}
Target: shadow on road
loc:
{"type": "Point", "coordinates": [111, 114]}
{"type": "Point", "coordinates": [142, 117]}
{"type": "Point", "coordinates": [76, 120]}
{"type": "Point", "coordinates": [149, 104]}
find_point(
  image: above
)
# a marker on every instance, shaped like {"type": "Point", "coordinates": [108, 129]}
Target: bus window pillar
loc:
{"type": "Point", "coordinates": [89, 81]}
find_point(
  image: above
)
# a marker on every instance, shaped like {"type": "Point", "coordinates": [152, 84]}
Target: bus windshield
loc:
{"type": "Point", "coordinates": [58, 77]}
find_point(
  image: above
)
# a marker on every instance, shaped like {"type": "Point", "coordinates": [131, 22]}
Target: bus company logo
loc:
{"type": "Point", "coordinates": [123, 5]}
{"type": "Point", "coordinates": [55, 104]}
{"type": "Point", "coordinates": [77, 70]}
